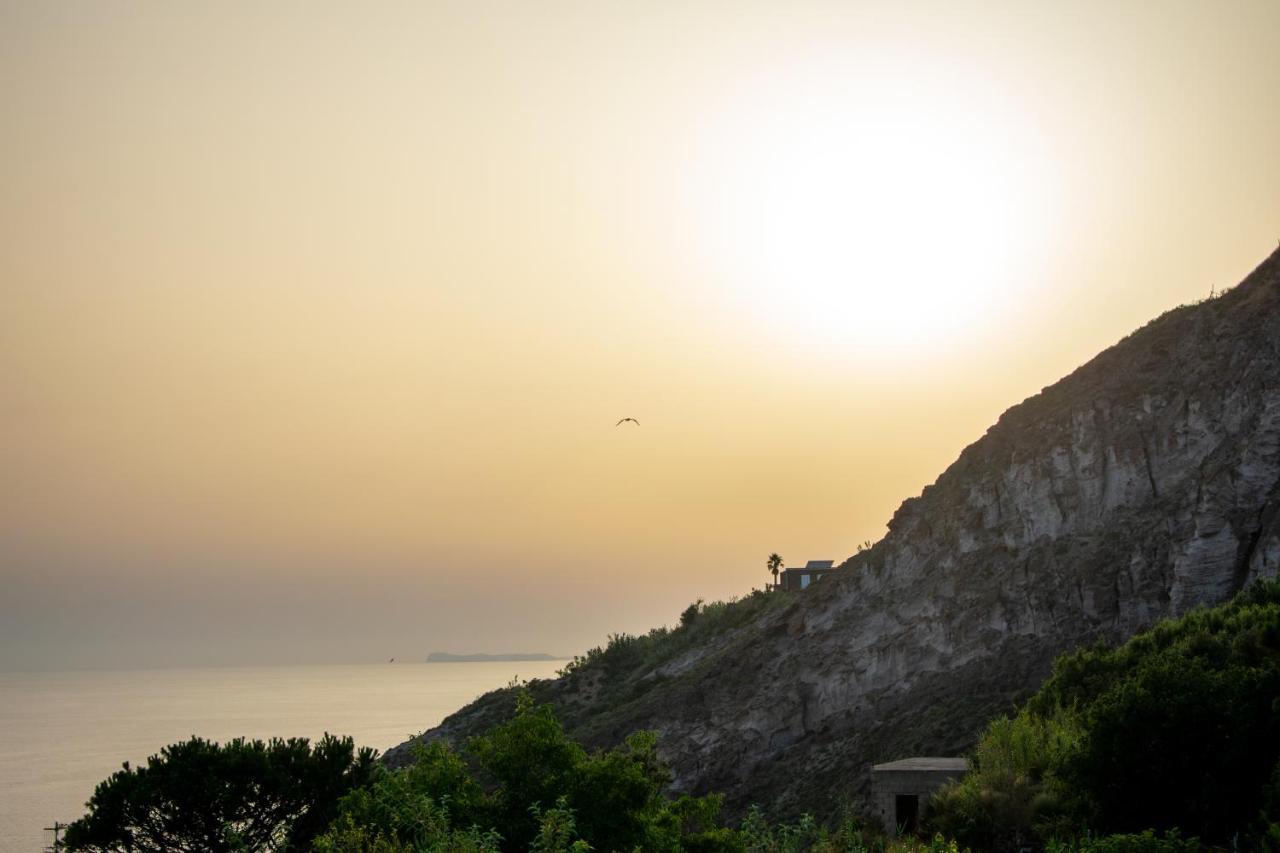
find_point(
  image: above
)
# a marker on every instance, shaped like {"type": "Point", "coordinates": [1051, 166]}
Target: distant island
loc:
{"type": "Point", "coordinates": [448, 657]}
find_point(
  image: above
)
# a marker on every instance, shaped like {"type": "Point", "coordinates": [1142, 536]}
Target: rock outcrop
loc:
{"type": "Point", "coordinates": [1144, 484]}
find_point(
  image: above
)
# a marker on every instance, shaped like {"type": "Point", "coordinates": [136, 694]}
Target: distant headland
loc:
{"type": "Point", "coordinates": [448, 657]}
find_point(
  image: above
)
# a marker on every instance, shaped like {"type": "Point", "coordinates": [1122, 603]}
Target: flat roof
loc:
{"type": "Point", "coordinates": [926, 763]}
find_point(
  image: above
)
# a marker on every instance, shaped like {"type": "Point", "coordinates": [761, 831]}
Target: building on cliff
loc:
{"type": "Point", "coordinates": [900, 790]}
{"type": "Point", "coordinates": [797, 579]}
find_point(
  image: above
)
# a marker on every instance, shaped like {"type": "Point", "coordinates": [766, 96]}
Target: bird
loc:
{"type": "Point", "coordinates": [624, 420]}
{"type": "Point", "coordinates": [393, 660]}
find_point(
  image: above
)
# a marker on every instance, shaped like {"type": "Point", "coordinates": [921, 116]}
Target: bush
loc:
{"type": "Point", "coordinates": [433, 835]}
{"type": "Point", "coordinates": [1011, 794]}
{"type": "Point", "coordinates": [1146, 842]}
{"type": "Point", "coordinates": [626, 655]}
{"type": "Point", "coordinates": [557, 831]}
{"type": "Point", "coordinates": [1180, 724]}
{"type": "Point", "coordinates": [244, 795]}
{"type": "Point", "coordinates": [850, 835]}
{"type": "Point", "coordinates": [540, 791]}
{"type": "Point", "coordinates": [1176, 727]}
{"type": "Point", "coordinates": [417, 809]}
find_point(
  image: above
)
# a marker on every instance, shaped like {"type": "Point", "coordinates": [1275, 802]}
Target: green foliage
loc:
{"type": "Point", "coordinates": [690, 613]}
{"type": "Point", "coordinates": [621, 654]}
{"type": "Point", "coordinates": [936, 844]}
{"type": "Point", "coordinates": [432, 834]}
{"type": "Point", "coordinates": [243, 795]}
{"type": "Point", "coordinates": [760, 837]}
{"type": "Point", "coordinates": [850, 835]}
{"type": "Point", "coordinates": [415, 809]}
{"type": "Point", "coordinates": [1145, 842]}
{"type": "Point", "coordinates": [1011, 794]}
{"type": "Point", "coordinates": [557, 831]}
{"type": "Point", "coordinates": [1180, 723]}
{"type": "Point", "coordinates": [1180, 726]}
{"type": "Point", "coordinates": [534, 789]}
{"type": "Point", "coordinates": [619, 797]}
{"type": "Point", "coordinates": [1176, 727]}
{"type": "Point", "coordinates": [698, 821]}
{"type": "Point", "coordinates": [625, 657]}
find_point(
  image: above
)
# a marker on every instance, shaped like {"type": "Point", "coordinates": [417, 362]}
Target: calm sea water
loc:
{"type": "Point", "coordinates": [63, 732]}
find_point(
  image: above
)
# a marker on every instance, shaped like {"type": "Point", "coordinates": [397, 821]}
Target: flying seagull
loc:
{"type": "Point", "coordinates": [624, 420]}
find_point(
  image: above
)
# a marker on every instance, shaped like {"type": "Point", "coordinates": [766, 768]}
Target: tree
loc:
{"type": "Point", "coordinates": [541, 791]}
{"type": "Point", "coordinates": [1175, 729]}
{"type": "Point", "coordinates": [690, 613]}
{"type": "Point", "coordinates": [775, 566]}
{"type": "Point", "coordinates": [243, 795]}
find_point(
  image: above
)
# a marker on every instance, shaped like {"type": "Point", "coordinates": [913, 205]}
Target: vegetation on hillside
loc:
{"type": "Point", "coordinates": [1148, 747]}
{"type": "Point", "coordinates": [596, 689]}
{"type": "Point", "coordinates": [1177, 729]}
{"type": "Point", "coordinates": [624, 657]}
{"type": "Point", "coordinates": [526, 786]}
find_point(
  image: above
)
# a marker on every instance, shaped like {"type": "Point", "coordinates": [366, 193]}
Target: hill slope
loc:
{"type": "Point", "coordinates": [1143, 484]}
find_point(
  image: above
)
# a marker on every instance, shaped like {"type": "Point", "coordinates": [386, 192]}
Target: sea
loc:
{"type": "Point", "coordinates": [63, 732]}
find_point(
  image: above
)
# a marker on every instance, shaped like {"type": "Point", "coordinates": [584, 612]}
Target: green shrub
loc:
{"type": "Point", "coordinates": [242, 795]}
{"type": "Point", "coordinates": [529, 787]}
{"type": "Point", "coordinates": [557, 831]}
{"type": "Point", "coordinates": [1180, 724]}
{"type": "Point", "coordinates": [1145, 842]}
{"type": "Point", "coordinates": [1176, 727]}
{"type": "Point", "coordinates": [432, 835]}
{"type": "Point", "coordinates": [626, 655]}
{"type": "Point", "coordinates": [1011, 794]}
{"type": "Point", "coordinates": [850, 835]}
{"type": "Point", "coordinates": [415, 809]}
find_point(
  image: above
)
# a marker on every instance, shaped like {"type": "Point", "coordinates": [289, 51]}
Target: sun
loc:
{"type": "Point", "coordinates": [869, 211]}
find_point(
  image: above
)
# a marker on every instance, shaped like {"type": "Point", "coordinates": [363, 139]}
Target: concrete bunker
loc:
{"type": "Point", "coordinates": [900, 790]}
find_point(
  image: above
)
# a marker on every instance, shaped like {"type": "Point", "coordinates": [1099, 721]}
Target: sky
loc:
{"type": "Point", "coordinates": [316, 317]}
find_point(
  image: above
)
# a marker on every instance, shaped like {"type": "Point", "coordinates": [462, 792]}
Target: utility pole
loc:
{"type": "Point", "coordinates": [56, 829]}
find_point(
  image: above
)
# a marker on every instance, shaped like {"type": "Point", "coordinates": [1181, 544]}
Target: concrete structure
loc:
{"type": "Point", "coordinates": [900, 790]}
{"type": "Point", "coordinates": [796, 579]}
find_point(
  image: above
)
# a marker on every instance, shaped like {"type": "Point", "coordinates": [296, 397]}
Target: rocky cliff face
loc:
{"type": "Point", "coordinates": [1145, 483]}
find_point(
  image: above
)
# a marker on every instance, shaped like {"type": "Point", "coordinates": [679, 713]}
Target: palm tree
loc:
{"type": "Point", "coordinates": [775, 566]}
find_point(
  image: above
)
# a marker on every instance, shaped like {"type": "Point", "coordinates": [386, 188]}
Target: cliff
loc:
{"type": "Point", "coordinates": [1143, 484]}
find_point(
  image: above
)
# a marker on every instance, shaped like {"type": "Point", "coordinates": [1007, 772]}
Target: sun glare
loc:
{"type": "Point", "coordinates": [853, 213]}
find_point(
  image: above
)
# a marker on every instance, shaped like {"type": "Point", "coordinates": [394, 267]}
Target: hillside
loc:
{"type": "Point", "coordinates": [1141, 485]}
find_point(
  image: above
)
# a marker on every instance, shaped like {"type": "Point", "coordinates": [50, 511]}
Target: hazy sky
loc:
{"type": "Point", "coordinates": [316, 317]}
